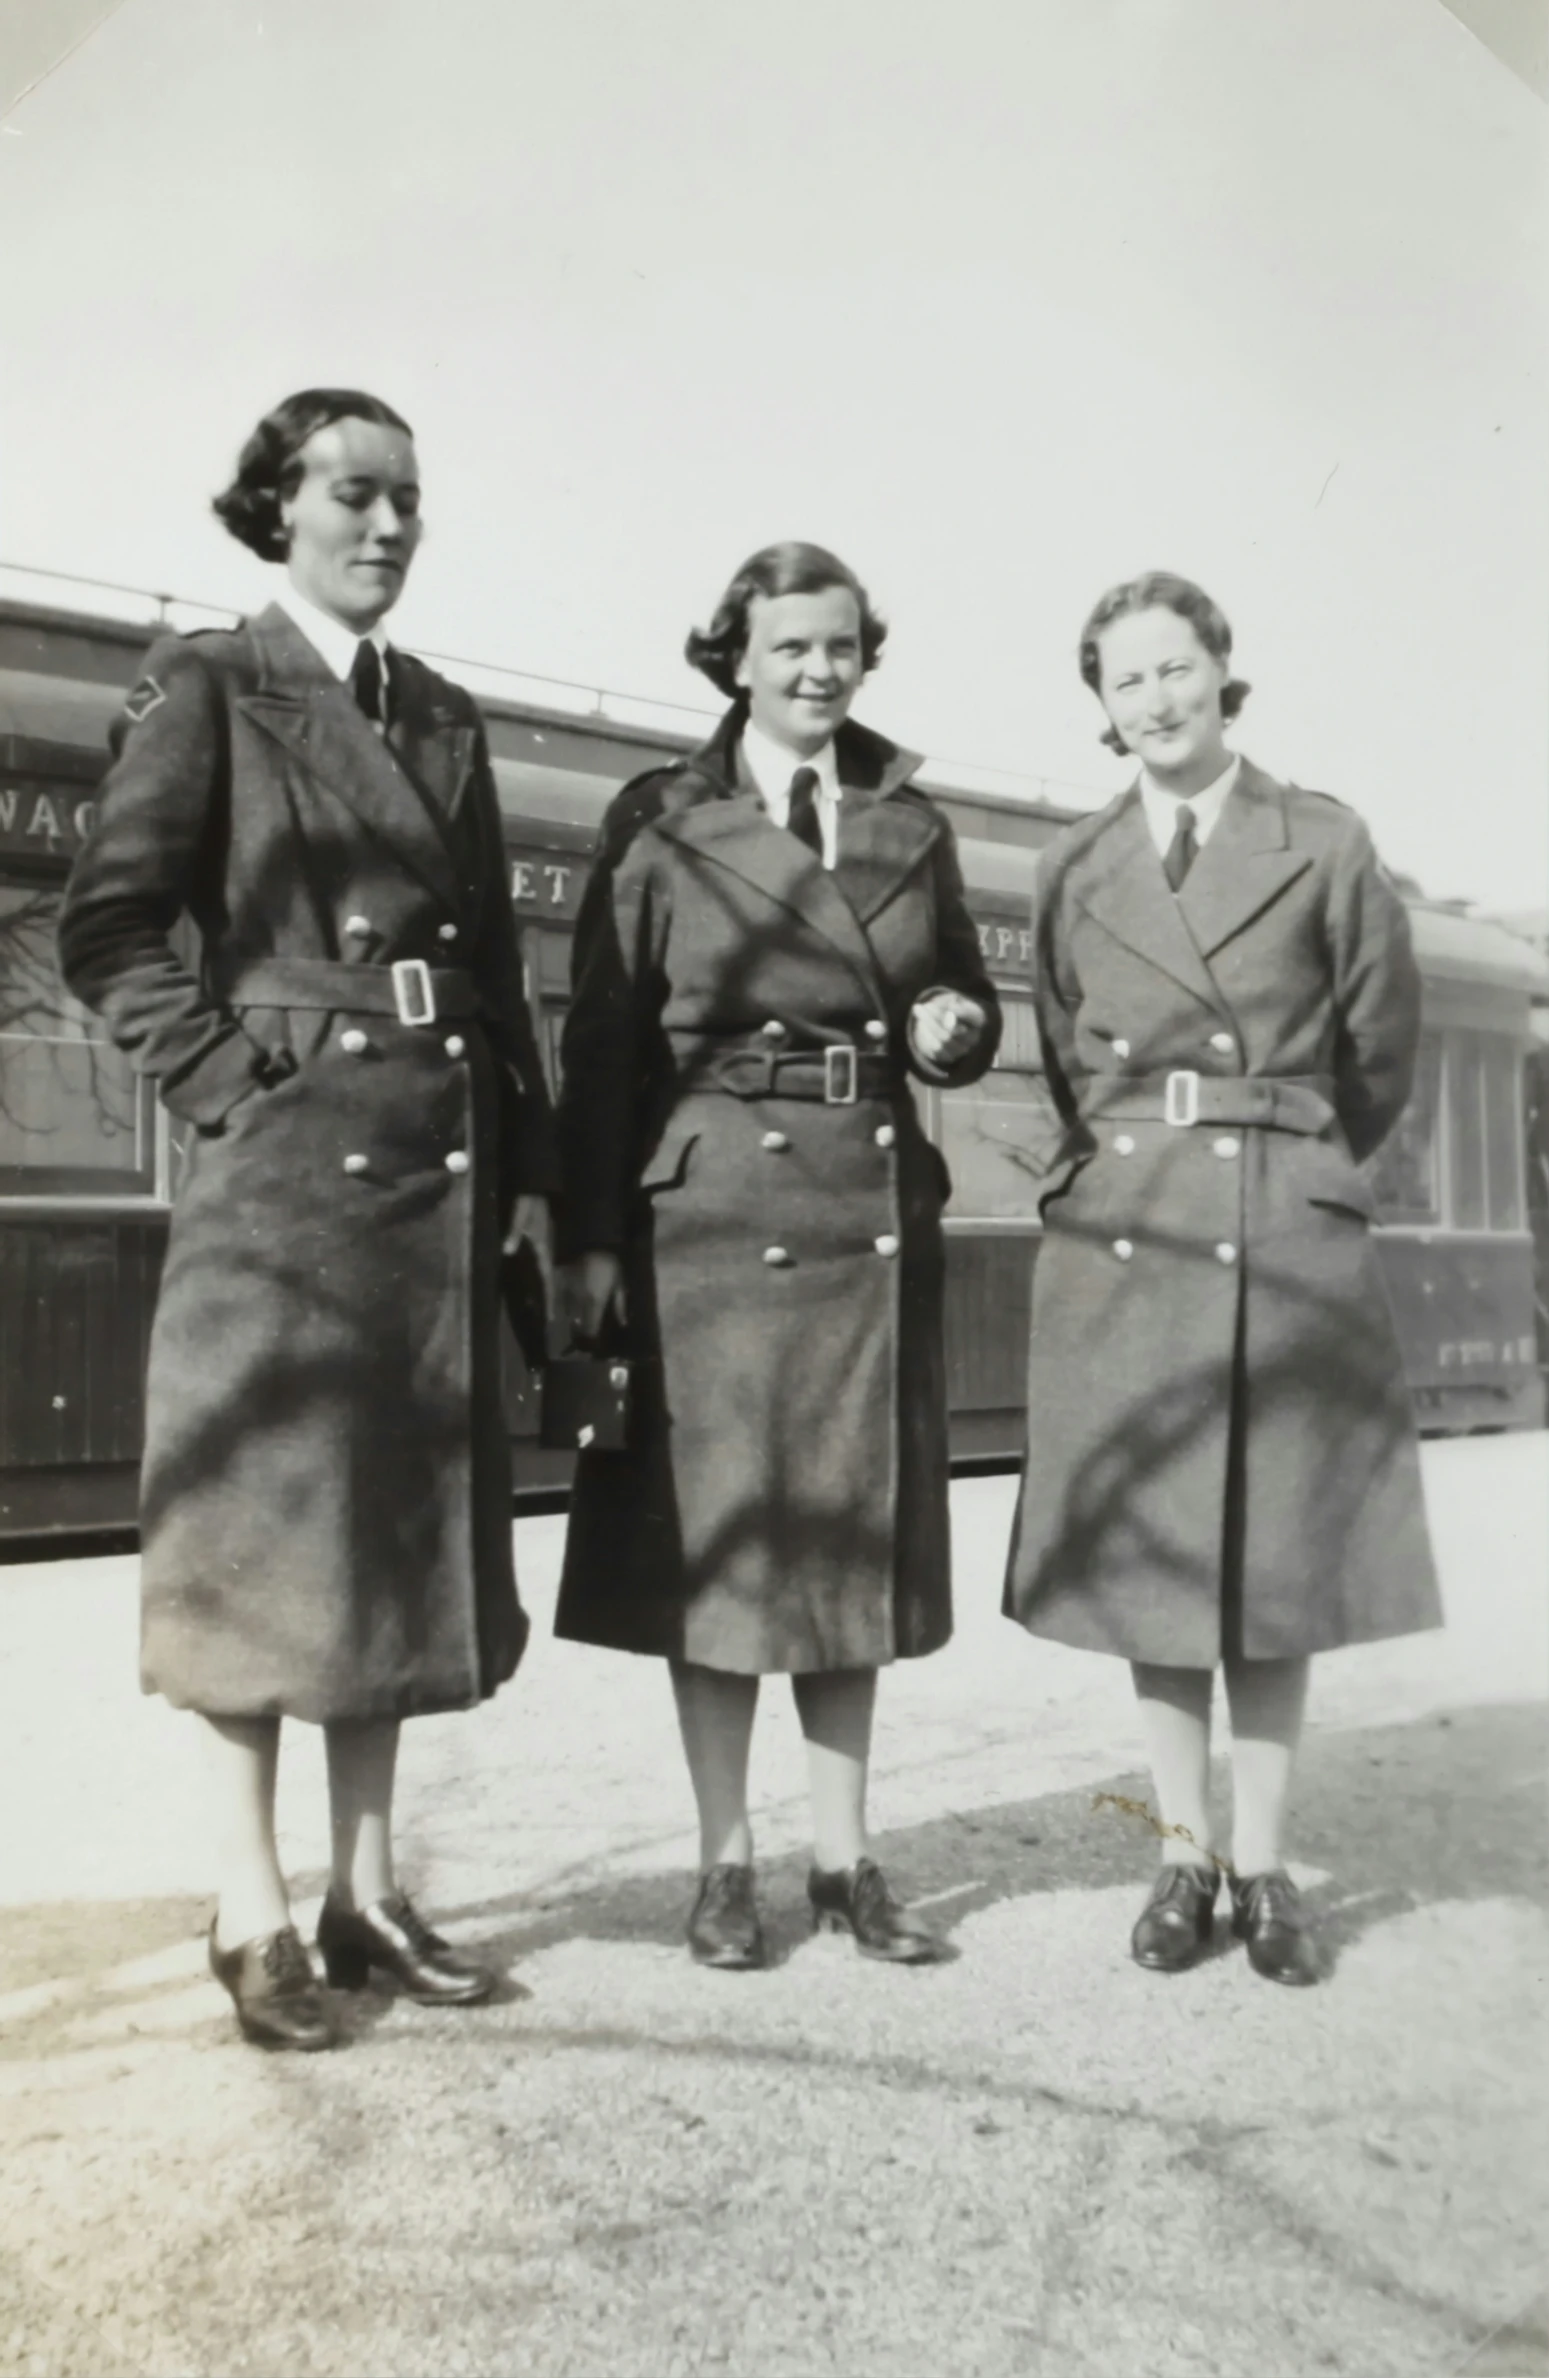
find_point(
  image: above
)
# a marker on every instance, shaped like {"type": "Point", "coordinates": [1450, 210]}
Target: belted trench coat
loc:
{"type": "Point", "coordinates": [1220, 1446]}
{"type": "Point", "coordinates": [785, 1504]}
{"type": "Point", "coordinates": [326, 1513]}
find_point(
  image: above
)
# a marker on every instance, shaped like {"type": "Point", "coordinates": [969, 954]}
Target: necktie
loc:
{"type": "Point", "coordinates": [367, 683]}
{"type": "Point", "coordinates": [802, 817]}
{"type": "Point", "coordinates": [1183, 850]}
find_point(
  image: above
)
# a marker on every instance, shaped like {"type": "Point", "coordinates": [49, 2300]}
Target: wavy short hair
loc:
{"type": "Point", "coordinates": [269, 466]}
{"type": "Point", "coordinates": [1161, 590]}
{"type": "Point", "coordinates": [790, 568]}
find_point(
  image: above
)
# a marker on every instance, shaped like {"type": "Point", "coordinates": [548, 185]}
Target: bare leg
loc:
{"type": "Point", "coordinates": [1175, 1712]}
{"type": "Point", "coordinates": [242, 1758]}
{"type": "Point", "coordinates": [836, 1712]}
{"type": "Point", "coordinates": [715, 1717]}
{"type": "Point", "coordinates": [361, 1764]}
{"type": "Point", "coordinates": [1266, 1699]}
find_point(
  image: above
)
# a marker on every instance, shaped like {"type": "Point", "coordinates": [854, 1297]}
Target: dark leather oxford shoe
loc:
{"type": "Point", "coordinates": [1177, 1920]}
{"type": "Point", "coordinates": [1267, 1913]}
{"type": "Point", "coordinates": [723, 1926]}
{"type": "Point", "coordinates": [392, 1936]}
{"type": "Point", "coordinates": [857, 1899]}
{"type": "Point", "coordinates": [274, 1991]}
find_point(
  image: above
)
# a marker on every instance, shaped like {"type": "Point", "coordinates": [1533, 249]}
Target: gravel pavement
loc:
{"type": "Point", "coordinates": [1035, 2159]}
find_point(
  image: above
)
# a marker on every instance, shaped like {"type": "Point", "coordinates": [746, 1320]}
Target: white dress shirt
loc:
{"type": "Point", "coordinates": [1162, 808]}
{"type": "Point", "coordinates": [333, 644]}
{"type": "Point", "coordinates": [771, 767]}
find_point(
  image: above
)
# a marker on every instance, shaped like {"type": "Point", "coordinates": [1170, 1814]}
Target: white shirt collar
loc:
{"type": "Point", "coordinates": [335, 645]}
{"type": "Point", "coordinates": [1161, 808]}
{"type": "Point", "coordinates": [771, 767]}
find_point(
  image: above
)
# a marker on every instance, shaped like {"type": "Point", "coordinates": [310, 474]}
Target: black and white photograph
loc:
{"type": "Point", "coordinates": [774, 1188]}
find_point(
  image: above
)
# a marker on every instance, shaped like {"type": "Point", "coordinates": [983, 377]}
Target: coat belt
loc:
{"type": "Point", "coordinates": [839, 1074]}
{"type": "Point", "coordinates": [1300, 1102]}
{"type": "Point", "coordinates": [358, 990]}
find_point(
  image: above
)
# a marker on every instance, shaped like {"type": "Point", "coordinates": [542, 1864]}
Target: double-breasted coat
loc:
{"type": "Point", "coordinates": [325, 1501]}
{"type": "Point", "coordinates": [784, 1506]}
{"type": "Point", "coordinates": [1220, 1450]}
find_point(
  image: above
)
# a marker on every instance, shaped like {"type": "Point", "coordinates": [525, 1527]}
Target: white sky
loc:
{"type": "Point", "coordinates": [1002, 298]}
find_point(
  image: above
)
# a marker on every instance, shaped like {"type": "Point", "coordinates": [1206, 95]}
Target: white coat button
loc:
{"type": "Point", "coordinates": [885, 1136]}
{"type": "Point", "coordinates": [352, 1042]}
{"type": "Point", "coordinates": [1124, 1145]}
{"type": "Point", "coordinates": [774, 1029]}
{"type": "Point", "coordinates": [887, 1244]}
{"type": "Point", "coordinates": [1121, 1048]}
{"type": "Point", "coordinates": [775, 1256]}
{"type": "Point", "coordinates": [357, 924]}
{"type": "Point", "coordinates": [775, 1141]}
{"type": "Point", "coordinates": [1224, 1042]}
{"type": "Point", "coordinates": [876, 1031]}
{"type": "Point", "coordinates": [456, 1046]}
{"type": "Point", "coordinates": [1226, 1252]}
{"type": "Point", "coordinates": [457, 1161]}
{"type": "Point", "coordinates": [1124, 1249]}
{"type": "Point", "coordinates": [446, 933]}
{"type": "Point", "coordinates": [355, 1163]}
{"type": "Point", "coordinates": [1227, 1146]}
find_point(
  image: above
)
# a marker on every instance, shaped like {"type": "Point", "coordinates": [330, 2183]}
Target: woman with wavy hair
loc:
{"type": "Point", "coordinates": [773, 940]}
{"type": "Point", "coordinates": [325, 1502]}
{"type": "Point", "coordinates": [1221, 1465]}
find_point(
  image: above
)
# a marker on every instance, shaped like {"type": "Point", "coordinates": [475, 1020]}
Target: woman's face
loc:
{"type": "Point", "coordinates": [802, 666]}
{"type": "Point", "coordinates": [1162, 690]}
{"type": "Point", "coordinates": [354, 521]}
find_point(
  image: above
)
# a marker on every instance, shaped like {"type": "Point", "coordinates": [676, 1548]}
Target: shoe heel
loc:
{"type": "Point", "coordinates": [346, 1969]}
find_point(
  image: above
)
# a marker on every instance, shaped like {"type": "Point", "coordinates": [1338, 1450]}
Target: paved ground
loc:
{"type": "Point", "coordinates": [1034, 2160]}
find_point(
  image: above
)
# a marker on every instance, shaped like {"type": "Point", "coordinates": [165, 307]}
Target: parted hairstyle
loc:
{"type": "Point", "coordinates": [269, 467]}
{"type": "Point", "coordinates": [791, 568]}
{"type": "Point", "coordinates": [1161, 590]}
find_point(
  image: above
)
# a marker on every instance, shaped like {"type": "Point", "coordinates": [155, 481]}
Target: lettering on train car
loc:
{"type": "Point", "coordinates": [43, 818]}
{"type": "Point", "coordinates": [542, 881]}
{"type": "Point", "coordinates": [1004, 944]}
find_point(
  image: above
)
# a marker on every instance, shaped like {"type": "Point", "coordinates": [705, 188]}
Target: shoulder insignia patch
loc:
{"type": "Point", "coordinates": [146, 697]}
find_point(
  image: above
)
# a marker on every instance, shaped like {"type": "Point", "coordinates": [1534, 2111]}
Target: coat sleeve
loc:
{"type": "Point", "coordinates": [610, 1057]}
{"type": "Point", "coordinates": [1376, 994]}
{"type": "Point", "coordinates": [155, 854]}
{"type": "Point", "coordinates": [959, 967]}
{"type": "Point", "coordinates": [529, 1154]}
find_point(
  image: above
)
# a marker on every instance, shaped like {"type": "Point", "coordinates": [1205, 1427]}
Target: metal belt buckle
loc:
{"type": "Point", "coordinates": [1180, 1100]}
{"type": "Point", "coordinates": [841, 1075]}
{"type": "Point", "coordinates": [413, 991]}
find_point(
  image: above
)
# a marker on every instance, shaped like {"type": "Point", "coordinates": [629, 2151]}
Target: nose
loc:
{"type": "Point", "coordinates": [385, 522]}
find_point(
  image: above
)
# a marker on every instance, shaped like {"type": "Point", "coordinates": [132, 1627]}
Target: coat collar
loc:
{"type": "Point", "coordinates": [881, 840]}
{"type": "Point", "coordinates": [405, 789]}
{"type": "Point", "coordinates": [1247, 862]}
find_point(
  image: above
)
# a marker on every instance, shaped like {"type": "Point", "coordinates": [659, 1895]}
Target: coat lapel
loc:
{"type": "Point", "coordinates": [737, 833]}
{"type": "Point", "coordinates": [305, 709]}
{"type": "Point", "coordinates": [1247, 863]}
{"type": "Point", "coordinates": [881, 841]}
{"type": "Point", "coordinates": [1129, 897]}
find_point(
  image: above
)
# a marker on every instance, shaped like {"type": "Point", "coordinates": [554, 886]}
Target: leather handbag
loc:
{"type": "Point", "coordinates": [586, 1397]}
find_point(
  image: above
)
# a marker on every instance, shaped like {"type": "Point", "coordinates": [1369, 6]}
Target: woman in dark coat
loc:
{"type": "Point", "coordinates": [773, 939]}
{"type": "Point", "coordinates": [1221, 1461]}
{"type": "Point", "coordinates": [325, 1503]}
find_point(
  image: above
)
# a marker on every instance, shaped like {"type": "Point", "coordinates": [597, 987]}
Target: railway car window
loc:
{"type": "Point", "coordinates": [1485, 1132]}
{"type": "Point", "coordinates": [75, 1119]}
{"type": "Point", "coordinates": [1407, 1173]}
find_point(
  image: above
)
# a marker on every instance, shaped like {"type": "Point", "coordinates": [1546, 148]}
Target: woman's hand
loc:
{"type": "Point", "coordinates": [593, 1287]}
{"type": "Point", "coordinates": [944, 1026]}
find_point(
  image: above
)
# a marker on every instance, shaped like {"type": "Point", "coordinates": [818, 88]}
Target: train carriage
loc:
{"type": "Point", "coordinates": [89, 1159]}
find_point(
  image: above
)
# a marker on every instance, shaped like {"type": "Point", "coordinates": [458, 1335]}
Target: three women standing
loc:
{"type": "Point", "coordinates": [326, 1510]}
{"type": "Point", "coordinates": [1221, 1462]}
{"type": "Point", "coordinates": [772, 941]}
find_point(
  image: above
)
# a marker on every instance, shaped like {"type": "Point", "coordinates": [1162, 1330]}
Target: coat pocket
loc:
{"type": "Point", "coordinates": [1332, 1180]}
{"type": "Point", "coordinates": [667, 1165]}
